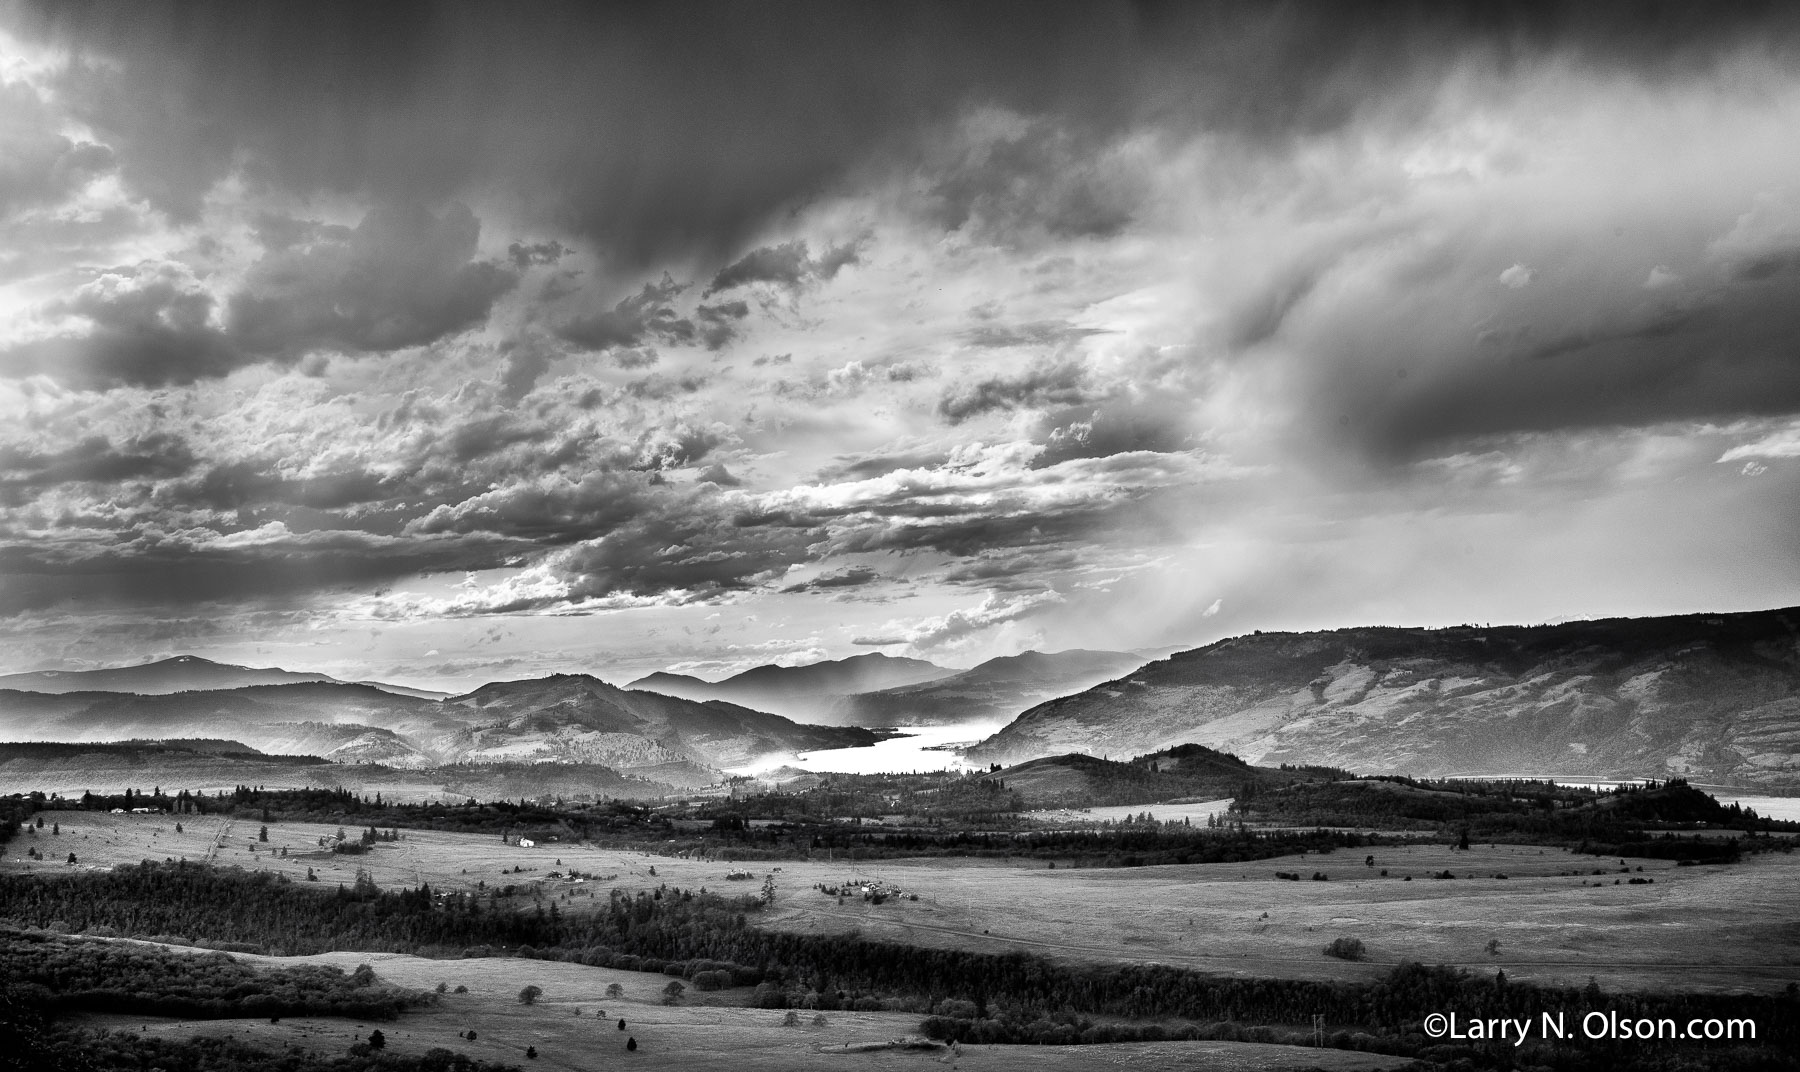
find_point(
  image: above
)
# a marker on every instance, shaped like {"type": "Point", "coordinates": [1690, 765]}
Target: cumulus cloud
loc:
{"type": "Point", "coordinates": [93, 460]}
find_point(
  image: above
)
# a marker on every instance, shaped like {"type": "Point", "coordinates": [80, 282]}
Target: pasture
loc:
{"type": "Point", "coordinates": [716, 1031]}
{"type": "Point", "coordinates": [1712, 927]}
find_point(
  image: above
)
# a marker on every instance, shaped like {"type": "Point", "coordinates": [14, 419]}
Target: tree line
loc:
{"type": "Point", "coordinates": [95, 975]}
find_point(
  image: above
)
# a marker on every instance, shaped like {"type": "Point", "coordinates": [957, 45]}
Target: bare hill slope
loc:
{"type": "Point", "coordinates": [1711, 696]}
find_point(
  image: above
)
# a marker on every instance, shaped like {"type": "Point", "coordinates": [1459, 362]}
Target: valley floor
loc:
{"type": "Point", "coordinates": [1720, 928]}
{"type": "Point", "coordinates": [708, 1031]}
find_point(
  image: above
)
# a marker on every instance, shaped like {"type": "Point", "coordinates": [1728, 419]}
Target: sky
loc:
{"type": "Point", "coordinates": [441, 343]}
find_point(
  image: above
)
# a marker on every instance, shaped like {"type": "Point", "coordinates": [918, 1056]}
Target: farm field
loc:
{"type": "Point", "coordinates": [717, 1031]}
{"type": "Point", "coordinates": [1714, 927]}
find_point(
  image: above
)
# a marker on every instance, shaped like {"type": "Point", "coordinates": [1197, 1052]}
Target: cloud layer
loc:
{"type": "Point", "coordinates": [642, 337]}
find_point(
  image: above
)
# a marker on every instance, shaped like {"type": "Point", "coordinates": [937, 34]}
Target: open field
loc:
{"type": "Point", "coordinates": [714, 1031]}
{"type": "Point", "coordinates": [1713, 927]}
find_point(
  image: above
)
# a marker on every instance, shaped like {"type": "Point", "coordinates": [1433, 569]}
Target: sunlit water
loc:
{"type": "Point", "coordinates": [916, 752]}
{"type": "Point", "coordinates": [893, 756]}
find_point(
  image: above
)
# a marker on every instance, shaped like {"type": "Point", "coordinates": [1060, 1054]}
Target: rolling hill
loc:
{"type": "Point", "coordinates": [810, 692]}
{"type": "Point", "coordinates": [183, 673]}
{"type": "Point", "coordinates": [584, 719]}
{"type": "Point", "coordinates": [564, 719]}
{"type": "Point", "coordinates": [998, 688]}
{"type": "Point", "coordinates": [1715, 697]}
{"type": "Point", "coordinates": [1185, 772]}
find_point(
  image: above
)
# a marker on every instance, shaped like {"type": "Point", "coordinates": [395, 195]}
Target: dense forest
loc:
{"type": "Point", "coordinates": [97, 975]}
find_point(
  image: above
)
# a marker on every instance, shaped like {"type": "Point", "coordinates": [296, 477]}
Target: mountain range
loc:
{"type": "Point", "coordinates": [813, 691]}
{"type": "Point", "coordinates": [1713, 697]}
{"type": "Point", "coordinates": [182, 673]}
{"type": "Point", "coordinates": [880, 690]}
{"type": "Point", "coordinates": [997, 689]}
{"type": "Point", "coordinates": [566, 719]}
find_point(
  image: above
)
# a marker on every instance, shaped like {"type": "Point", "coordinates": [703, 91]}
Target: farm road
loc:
{"type": "Point", "coordinates": [218, 839]}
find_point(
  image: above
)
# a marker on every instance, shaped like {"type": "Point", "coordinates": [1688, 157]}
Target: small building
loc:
{"type": "Point", "coordinates": [527, 843]}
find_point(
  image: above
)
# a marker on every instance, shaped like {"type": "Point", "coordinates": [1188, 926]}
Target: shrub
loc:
{"type": "Point", "coordinates": [1345, 948]}
{"type": "Point", "coordinates": [530, 994]}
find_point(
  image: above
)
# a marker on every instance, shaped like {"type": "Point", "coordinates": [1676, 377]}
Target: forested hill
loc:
{"type": "Point", "coordinates": [1517, 810]}
{"type": "Point", "coordinates": [1188, 771]}
{"type": "Point", "coordinates": [1715, 697]}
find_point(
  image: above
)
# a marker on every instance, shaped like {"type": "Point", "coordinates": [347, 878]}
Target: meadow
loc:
{"type": "Point", "coordinates": [707, 1030]}
{"type": "Point", "coordinates": [1718, 928]}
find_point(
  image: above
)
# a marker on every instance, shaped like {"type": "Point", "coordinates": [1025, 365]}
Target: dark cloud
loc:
{"type": "Point", "coordinates": [1722, 355]}
{"type": "Point", "coordinates": [848, 578]}
{"type": "Point", "coordinates": [148, 325]}
{"type": "Point", "coordinates": [864, 467]}
{"type": "Point", "coordinates": [93, 460]}
{"type": "Point", "coordinates": [1119, 426]}
{"type": "Point", "coordinates": [688, 545]}
{"type": "Point", "coordinates": [716, 473]}
{"type": "Point", "coordinates": [784, 265]}
{"type": "Point", "coordinates": [1046, 384]}
{"type": "Point", "coordinates": [719, 323]}
{"type": "Point", "coordinates": [527, 256]}
{"type": "Point", "coordinates": [789, 265]}
{"type": "Point", "coordinates": [248, 483]}
{"type": "Point", "coordinates": [697, 125]}
{"type": "Point", "coordinates": [635, 319]}
{"type": "Point", "coordinates": [487, 435]}
{"type": "Point", "coordinates": [402, 277]}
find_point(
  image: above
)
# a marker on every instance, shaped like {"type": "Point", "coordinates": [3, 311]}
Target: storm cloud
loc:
{"type": "Point", "coordinates": [958, 328]}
